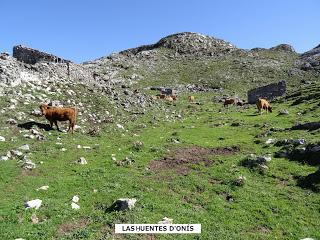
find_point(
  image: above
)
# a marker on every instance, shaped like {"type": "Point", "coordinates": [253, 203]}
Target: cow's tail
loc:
{"type": "Point", "coordinates": [73, 124]}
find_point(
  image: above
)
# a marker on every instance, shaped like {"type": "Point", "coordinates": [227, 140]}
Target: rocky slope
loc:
{"type": "Point", "coordinates": [186, 61]}
{"type": "Point", "coordinates": [189, 60]}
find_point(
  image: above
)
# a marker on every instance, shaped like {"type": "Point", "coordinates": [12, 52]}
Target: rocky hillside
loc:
{"type": "Point", "coordinates": [137, 159]}
{"type": "Point", "coordinates": [186, 61]}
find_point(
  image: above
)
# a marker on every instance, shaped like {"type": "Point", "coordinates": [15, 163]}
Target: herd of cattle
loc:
{"type": "Point", "coordinates": [55, 114]}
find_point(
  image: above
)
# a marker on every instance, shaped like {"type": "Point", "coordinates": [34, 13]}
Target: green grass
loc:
{"type": "Point", "coordinates": [268, 206]}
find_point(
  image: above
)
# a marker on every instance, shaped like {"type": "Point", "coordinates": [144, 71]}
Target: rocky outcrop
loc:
{"type": "Point", "coordinates": [32, 56]}
{"type": "Point", "coordinates": [310, 60]}
{"type": "Point", "coordinates": [268, 92]}
{"type": "Point", "coordinates": [188, 43]}
{"type": "Point", "coordinates": [284, 48]}
{"type": "Point", "coordinates": [313, 53]}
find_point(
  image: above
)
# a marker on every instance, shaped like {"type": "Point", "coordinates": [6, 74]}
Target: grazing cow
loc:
{"type": "Point", "coordinates": [161, 96]}
{"type": "Point", "coordinates": [174, 97]}
{"type": "Point", "coordinates": [191, 98]}
{"type": "Point", "coordinates": [169, 99]}
{"type": "Point", "coordinates": [229, 102]}
{"type": "Point", "coordinates": [263, 104]}
{"type": "Point", "coordinates": [241, 103]}
{"type": "Point", "coordinates": [155, 97]}
{"type": "Point", "coordinates": [55, 114]}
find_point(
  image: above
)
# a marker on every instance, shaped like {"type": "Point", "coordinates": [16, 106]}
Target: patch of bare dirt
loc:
{"type": "Point", "coordinates": [181, 160]}
{"type": "Point", "coordinates": [214, 181]}
{"type": "Point", "coordinates": [260, 229]}
{"type": "Point", "coordinates": [69, 227]}
{"type": "Point", "coordinates": [28, 172]}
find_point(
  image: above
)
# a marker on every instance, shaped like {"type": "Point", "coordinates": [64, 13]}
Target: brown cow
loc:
{"type": "Point", "coordinates": [191, 98]}
{"type": "Point", "coordinates": [229, 102]}
{"type": "Point", "coordinates": [55, 114]}
{"type": "Point", "coordinates": [155, 97]}
{"type": "Point", "coordinates": [241, 102]}
{"type": "Point", "coordinates": [161, 96]}
{"type": "Point", "coordinates": [169, 99]}
{"type": "Point", "coordinates": [263, 104]}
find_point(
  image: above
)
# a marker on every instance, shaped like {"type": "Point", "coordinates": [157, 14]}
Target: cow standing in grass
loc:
{"type": "Point", "coordinates": [191, 98]}
{"type": "Point", "coordinates": [55, 114]}
{"type": "Point", "coordinates": [263, 104]}
{"type": "Point", "coordinates": [230, 101]}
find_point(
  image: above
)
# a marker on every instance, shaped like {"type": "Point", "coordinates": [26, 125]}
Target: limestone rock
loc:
{"type": "Point", "coordinates": [124, 203]}
{"type": "Point", "coordinates": [82, 161]}
{"type": "Point", "coordinates": [36, 203]}
{"type": "Point", "coordinates": [166, 220]}
{"type": "Point", "coordinates": [44, 188]}
{"type": "Point", "coordinates": [24, 147]}
{"type": "Point", "coordinates": [75, 206]}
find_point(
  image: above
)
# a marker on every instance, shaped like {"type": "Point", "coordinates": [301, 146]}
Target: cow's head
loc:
{"type": "Point", "coordinates": [43, 108]}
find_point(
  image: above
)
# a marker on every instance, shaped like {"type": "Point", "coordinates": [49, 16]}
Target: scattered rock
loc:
{"type": "Point", "coordinates": [166, 220]}
{"type": "Point", "coordinates": [34, 219]}
{"type": "Point", "coordinates": [36, 112]}
{"type": "Point", "coordinates": [120, 126]}
{"type": "Point", "coordinates": [125, 162]}
{"type": "Point", "coordinates": [12, 121]}
{"type": "Point", "coordinates": [2, 139]}
{"type": "Point", "coordinates": [82, 161]}
{"type": "Point", "coordinates": [240, 181]}
{"type": "Point", "coordinates": [43, 188]}
{"type": "Point", "coordinates": [36, 203]}
{"type": "Point", "coordinates": [16, 153]}
{"type": "Point", "coordinates": [138, 145]}
{"type": "Point", "coordinates": [123, 204]}
{"type": "Point", "coordinates": [24, 147]}
{"type": "Point", "coordinates": [4, 158]}
{"type": "Point", "coordinates": [270, 141]}
{"type": "Point", "coordinates": [75, 206]}
{"type": "Point", "coordinates": [257, 162]}
{"type": "Point", "coordinates": [75, 199]}
{"type": "Point", "coordinates": [28, 164]}
{"type": "Point", "coordinates": [285, 142]}
{"type": "Point", "coordinates": [283, 112]}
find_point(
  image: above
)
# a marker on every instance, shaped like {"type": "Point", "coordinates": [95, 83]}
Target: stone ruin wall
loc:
{"type": "Point", "coordinates": [44, 67]}
{"type": "Point", "coordinates": [32, 56]}
{"type": "Point", "coordinates": [268, 92]}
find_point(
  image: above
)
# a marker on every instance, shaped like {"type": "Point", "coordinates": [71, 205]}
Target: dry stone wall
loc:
{"type": "Point", "coordinates": [32, 56]}
{"type": "Point", "coordinates": [268, 92]}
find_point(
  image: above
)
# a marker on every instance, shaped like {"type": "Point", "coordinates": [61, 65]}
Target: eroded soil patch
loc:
{"type": "Point", "coordinates": [69, 227]}
{"type": "Point", "coordinates": [181, 160]}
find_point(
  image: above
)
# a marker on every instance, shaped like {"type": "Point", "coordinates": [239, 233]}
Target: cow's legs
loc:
{"type": "Point", "coordinates": [56, 123]}
{"type": "Point", "coordinates": [69, 126]}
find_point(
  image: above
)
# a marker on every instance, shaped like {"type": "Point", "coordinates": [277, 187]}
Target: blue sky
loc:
{"type": "Point", "coordinates": [85, 30]}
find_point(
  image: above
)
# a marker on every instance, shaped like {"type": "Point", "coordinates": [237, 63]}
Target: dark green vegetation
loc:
{"type": "Point", "coordinates": [271, 204]}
